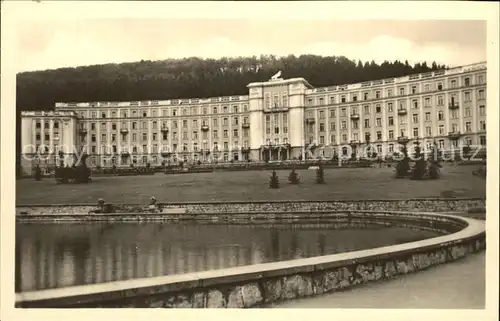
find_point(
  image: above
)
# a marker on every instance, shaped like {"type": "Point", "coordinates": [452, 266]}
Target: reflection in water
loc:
{"type": "Point", "coordinates": [57, 255]}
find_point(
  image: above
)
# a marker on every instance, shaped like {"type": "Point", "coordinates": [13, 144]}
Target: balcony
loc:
{"type": "Point", "coordinates": [125, 153]}
{"type": "Point", "coordinates": [245, 125]}
{"type": "Point", "coordinates": [124, 130]}
{"type": "Point", "coordinates": [355, 116]}
{"type": "Point", "coordinates": [245, 149]}
{"type": "Point", "coordinates": [82, 131]}
{"type": "Point", "coordinates": [403, 140]}
{"type": "Point", "coordinates": [164, 129]}
{"type": "Point", "coordinates": [402, 111]}
{"type": "Point", "coordinates": [204, 128]}
{"type": "Point", "coordinates": [310, 120]}
{"type": "Point", "coordinates": [354, 142]}
{"type": "Point", "coordinates": [453, 105]}
{"type": "Point", "coordinates": [454, 135]}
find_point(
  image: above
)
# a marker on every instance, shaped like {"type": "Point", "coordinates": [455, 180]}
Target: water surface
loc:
{"type": "Point", "coordinates": [61, 255]}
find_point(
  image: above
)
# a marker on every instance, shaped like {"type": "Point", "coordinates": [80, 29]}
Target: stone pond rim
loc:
{"type": "Point", "coordinates": [254, 285]}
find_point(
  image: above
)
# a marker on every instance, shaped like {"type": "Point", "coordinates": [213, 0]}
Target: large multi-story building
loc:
{"type": "Point", "coordinates": [278, 120]}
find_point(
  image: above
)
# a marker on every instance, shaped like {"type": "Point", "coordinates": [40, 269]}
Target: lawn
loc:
{"type": "Point", "coordinates": [341, 184]}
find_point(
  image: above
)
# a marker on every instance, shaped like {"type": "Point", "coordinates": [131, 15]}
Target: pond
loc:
{"type": "Point", "coordinates": [60, 255]}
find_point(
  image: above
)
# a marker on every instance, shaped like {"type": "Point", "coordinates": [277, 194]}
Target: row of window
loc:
{"type": "Point", "coordinates": [175, 124]}
{"type": "Point", "coordinates": [391, 92]}
{"type": "Point", "coordinates": [355, 124]}
{"type": "Point", "coordinates": [366, 111]}
{"type": "Point", "coordinates": [344, 139]}
{"type": "Point", "coordinates": [155, 112]}
{"type": "Point", "coordinates": [427, 101]}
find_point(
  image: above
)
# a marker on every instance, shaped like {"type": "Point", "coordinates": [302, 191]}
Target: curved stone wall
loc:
{"type": "Point", "coordinates": [256, 285]}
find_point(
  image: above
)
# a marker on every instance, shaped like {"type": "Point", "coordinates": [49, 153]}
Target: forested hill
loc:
{"type": "Point", "coordinates": [192, 78]}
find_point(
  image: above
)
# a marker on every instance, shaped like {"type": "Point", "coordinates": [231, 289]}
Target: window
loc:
{"type": "Point", "coordinates": [354, 97]}
{"type": "Point", "coordinates": [342, 98]}
{"type": "Point", "coordinates": [413, 89]}
{"type": "Point", "coordinates": [366, 109]}
{"type": "Point", "coordinates": [453, 83]}
{"type": "Point", "coordinates": [321, 114]}
{"type": "Point", "coordinates": [235, 120]}
{"type": "Point", "coordinates": [440, 100]}
{"type": "Point", "coordinates": [427, 116]}
{"type": "Point", "coordinates": [391, 134]}
{"type": "Point", "coordinates": [389, 107]}
{"type": "Point", "coordinates": [377, 108]}
{"type": "Point", "coordinates": [224, 122]}
{"type": "Point", "coordinates": [482, 125]}
{"type": "Point", "coordinates": [321, 127]}
{"type": "Point", "coordinates": [401, 91]}
{"type": "Point", "coordinates": [377, 94]}
{"type": "Point", "coordinates": [427, 88]}
{"type": "Point", "coordinates": [322, 140]}
{"type": "Point", "coordinates": [235, 133]}
{"type": "Point", "coordinates": [440, 115]}
{"type": "Point", "coordinates": [391, 121]}
{"type": "Point", "coordinates": [365, 96]}
{"type": "Point", "coordinates": [440, 86]}
{"type": "Point", "coordinates": [467, 96]}
{"type": "Point", "coordinates": [427, 102]}
{"type": "Point", "coordinates": [391, 148]}
{"type": "Point", "coordinates": [467, 81]}
{"type": "Point", "coordinates": [402, 120]}
{"type": "Point", "coordinates": [415, 104]}
{"type": "Point", "coordinates": [468, 126]}
{"type": "Point", "coordinates": [235, 109]}
{"type": "Point", "coordinates": [332, 99]}
{"type": "Point", "coordinates": [454, 128]}
{"type": "Point", "coordinates": [321, 101]}
{"type": "Point", "coordinates": [103, 115]}
{"type": "Point", "coordinates": [343, 112]}
{"type": "Point", "coordinates": [332, 113]}
{"type": "Point", "coordinates": [481, 94]}
{"type": "Point", "coordinates": [389, 92]}
{"type": "Point", "coordinates": [226, 133]}
{"type": "Point", "coordinates": [415, 118]}
{"type": "Point", "coordinates": [367, 137]}
{"type": "Point", "coordinates": [215, 122]}
{"type": "Point", "coordinates": [355, 124]}
{"type": "Point", "coordinates": [480, 79]}
{"type": "Point", "coordinates": [467, 112]}
{"type": "Point", "coordinates": [379, 135]}
{"type": "Point", "coordinates": [367, 123]}
{"type": "Point", "coordinates": [332, 126]}
{"type": "Point", "coordinates": [482, 110]}
{"type": "Point", "coordinates": [343, 125]}
{"type": "Point", "coordinates": [454, 114]}
{"type": "Point", "coordinates": [378, 122]}
{"type": "Point", "coordinates": [214, 110]}
{"type": "Point", "coordinates": [441, 129]}
{"type": "Point", "coordinates": [415, 132]}
{"type": "Point", "coordinates": [215, 133]}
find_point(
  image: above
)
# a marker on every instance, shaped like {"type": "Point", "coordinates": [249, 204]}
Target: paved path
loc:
{"type": "Point", "coordinates": [457, 285]}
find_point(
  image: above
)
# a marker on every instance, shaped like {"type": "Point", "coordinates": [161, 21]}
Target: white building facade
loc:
{"type": "Point", "coordinates": [277, 120]}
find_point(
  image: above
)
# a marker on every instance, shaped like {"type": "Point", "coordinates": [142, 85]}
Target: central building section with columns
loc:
{"type": "Point", "coordinates": [277, 118]}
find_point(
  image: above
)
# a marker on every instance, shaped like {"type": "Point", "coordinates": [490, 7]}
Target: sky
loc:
{"type": "Point", "coordinates": [49, 44]}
